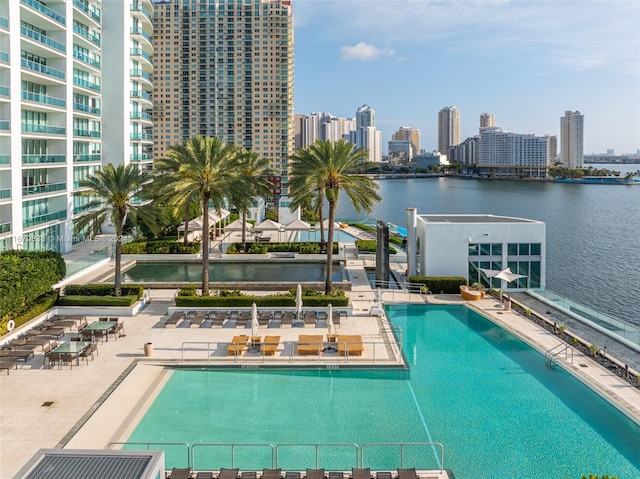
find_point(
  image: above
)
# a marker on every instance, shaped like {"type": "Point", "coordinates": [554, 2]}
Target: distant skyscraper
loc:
{"type": "Point", "coordinates": [225, 69]}
{"type": "Point", "coordinates": [553, 150]}
{"type": "Point", "coordinates": [366, 134]}
{"type": "Point", "coordinates": [448, 128]}
{"type": "Point", "coordinates": [487, 119]}
{"type": "Point", "coordinates": [572, 139]}
{"type": "Point", "coordinates": [412, 135]}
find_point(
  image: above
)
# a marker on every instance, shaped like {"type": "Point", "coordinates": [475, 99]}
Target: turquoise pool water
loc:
{"type": "Point", "coordinates": [227, 271]}
{"type": "Point", "coordinates": [474, 387]}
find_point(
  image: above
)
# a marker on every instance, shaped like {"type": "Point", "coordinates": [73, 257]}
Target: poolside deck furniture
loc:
{"type": "Point", "coordinates": [228, 473]}
{"type": "Point", "coordinates": [287, 318]}
{"type": "Point", "coordinates": [271, 473]}
{"type": "Point", "coordinates": [243, 319]}
{"type": "Point", "coordinates": [270, 345]}
{"type": "Point", "coordinates": [7, 363]}
{"type": "Point", "coordinates": [469, 294]}
{"type": "Point", "coordinates": [383, 475]}
{"type": "Point", "coordinates": [88, 352]}
{"type": "Point", "coordinates": [336, 475]}
{"type": "Point", "coordinates": [292, 475]}
{"type": "Point", "coordinates": [198, 319]}
{"type": "Point", "coordinates": [265, 317]}
{"type": "Point", "coordinates": [99, 330]}
{"type": "Point", "coordinates": [219, 318]}
{"type": "Point", "coordinates": [180, 473]}
{"type": "Point", "coordinates": [407, 473]}
{"type": "Point", "coordinates": [204, 475]}
{"type": "Point", "coordinates": [350, 344]}
{"type": "Point", "coordinates": [364, 473]}
{"type": "Point", "coordinates": [310, 344]}
{"type": "Point", "coordinates": [248, 475]}
{"type": "Point", "coordinates": [16, 354]}
{"type": "Point", "coordinates": [69, 350]}
{"type": "Point", "coordinates": [237, 345]}
{"type": "Point", "coordinates": [310, 317]}
{"type": "Point", "coordinates": [174, 319]}
{"type": "Point", "coordinates": [315, 474]}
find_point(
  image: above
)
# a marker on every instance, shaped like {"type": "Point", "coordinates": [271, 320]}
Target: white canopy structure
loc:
{"type": "Point", "coordinates": [194, 225]}
{"type": "Point", "coordinates": [268, 225]}
{"type": "Point", "coordinates": [237, 226]}
{"type": "Point", "coordinates": [298, 225]}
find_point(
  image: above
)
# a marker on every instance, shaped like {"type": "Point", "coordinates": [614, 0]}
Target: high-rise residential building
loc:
{"type": "Point", "coordinates": [225, 69]}
{"type": "Point", "coordinates": [505, 153]}
{"type": "Point", "coordinates": [487, 119]}
{"type": "Point", "coordinates": [448, 128]}
{"type": "Point", "coordinates": [412, 135]}
{"type": "Point", "coordinates": [366, 135]}
{"type": "Point", "coordinates": [553, 150]}
{"type": "Point", "coordinates": [572, 139]}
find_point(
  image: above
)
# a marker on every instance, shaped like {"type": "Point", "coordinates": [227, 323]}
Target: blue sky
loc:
{"type": "Point", "coordinates": [524, 61]}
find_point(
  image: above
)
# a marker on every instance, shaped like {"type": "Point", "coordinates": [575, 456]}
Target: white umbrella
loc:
{"type": "Point", "coordinates": [504, 274]}
{"type": "Point", "coordinates": [330, 327]}
{"type": "Point", "coordinates": [254, 320]}
{"type": "Point", "coordinates": [377, 296]}
{"type": "Point", "coordinates": [298, 301]}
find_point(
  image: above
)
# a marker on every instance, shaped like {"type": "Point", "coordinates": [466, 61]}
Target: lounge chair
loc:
{"type": "Point", "coordinates": [310, 317]}
{"type": "Point", "coordinates": [407, 473]}
{"type": "Point", "coordinates": [204, 475]}
{"type": "Point", "coordinates": [310, 344]}
{"type": "Point", "coordinates": [383, 475]}
{"type": "Point", "coordinates": [469, 294]}
{"type": "Point", "coordinates": [8, 363]}
{"type": "Point", "coordinates": [174, 319]}
{"type": "Point", "coordinates": [198, 319]}
{"type": "Point", "coordinates": [228, 473]}
{"type": "Point", "coordinates": [361, 473]}
{"type": "Point", "coordinates": [336, 475]}
{"type": "Point", "coordinates": [243, 319]}
{"type": "Point", "coordinates": [265, 317]}
{"type": "Point", "coordinates": [315, 474]}
{"type": "Point", "coordinates": [270, 345]}
{"type": "Point", "coordinates": [180, 473]}
{"type": "Point", "coordinates": [292, 475]}
{"type": "Point", "coordinates": [238, 344]}
{"type": "Point", "coordinates": [287, 318]}
{"type": "Point", "coordinates": [271, 473]}
{"type": "Point", "coordinates": [16, 354]}
{"type": "Point", "coordinates": [248, 475]}
{"type": "Point", "coordinates": [350, 344]}
{"type": "Point", "coordinates": [219, 318]}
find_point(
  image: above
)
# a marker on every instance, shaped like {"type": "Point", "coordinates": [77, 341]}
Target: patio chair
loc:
{"type": "Point", "coordinates": [174, 319]}
{"type": "Point", "coordinates": [228, 474]}
{"type": "Point", "coordinates": [93, 348]}
{"type": "Point", "coordinates": [198, 319]}
{"type": "Point", "coordinates": [248, 475]}
{"type": "Point", "coordinates": [180, 473]}
{"type": "Point", "coordinates": [66, 358]}
{"type": "Point", "coordinates": [220, 318]}
{"type": "Point", "coordinates": [361, 473]}
{"type": "Point", "coordinates": [310, 317]}
{"type": "Point", "coordinates": [271, 473]}
{"type": "Point", "coordinates": [265, 317]}
{"type": "Point", "coordinates": [243, 319]}
{"type": "Point", "coordinates": [237, 345]}
{"type": "Point", "coordinates": [315, 474]}
{"type": "Point", "coordinates": [407, 473]}
{"type": "Point", "coordinates": [287, 318]}
{"type": "Point", "coordinates": [17, 354]}
{"type": "Point", "coordinates": [7, 363]}
{"type": "Point", "coordinates": [270, 345]}
{"type": "Point", "coordinates": [383, 475]}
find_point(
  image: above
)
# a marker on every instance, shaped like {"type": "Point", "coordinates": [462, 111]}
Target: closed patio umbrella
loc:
{"type": "Point", "coordinates": [254, 320]}
{"type": "Point", "coordinates": [299, 301]}
{"type": "Point", "coordinates": [330, 326]}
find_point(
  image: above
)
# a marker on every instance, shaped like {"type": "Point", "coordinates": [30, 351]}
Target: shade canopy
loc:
{"type": "Point", "coordinates": [237, 226]}
{"type": "Point", "coordinates": [269, 225]}
{"type": "Point", "coordinates": [194, 225]}
{"type": "Point", "coordinates": [215, 216]}
{"type": "Point", "coordinates": [298, 225]}
{"type": "Point", "coordinates": [503, 274]}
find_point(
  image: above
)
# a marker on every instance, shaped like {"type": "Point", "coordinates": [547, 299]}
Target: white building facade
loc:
{"type": "Point", "coordinates": [461, 245]}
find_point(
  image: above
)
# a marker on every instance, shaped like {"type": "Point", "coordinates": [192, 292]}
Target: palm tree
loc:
{"type": "Point", "coordinates": [333, 167]}
{"type": "Point", "coordinates": [115, 194]}
{"type": "Point", "coordinates": [251, 171]}
{"type": "Point", "coordinates": [205, 173]}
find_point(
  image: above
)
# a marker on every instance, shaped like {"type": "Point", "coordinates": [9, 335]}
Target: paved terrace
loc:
{"type": "Point", "coordinates": [91, 405]}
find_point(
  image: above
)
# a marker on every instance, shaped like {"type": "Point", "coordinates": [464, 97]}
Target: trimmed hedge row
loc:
{"type": "Point", "coordinates": [160, 247]}
{"type": "Point", "coordinates": [261, 301]}
{"type": "Point", "coordinates": [370, 246]}
{"type": "Point", "coordinates": [75, 300]}
{"type": "Point", "coordinates": [102, 290]}
{"type": "Point", "coordinates": [440, 284]}
{"type": "Point", "coordinates": [25, 276]}
{"type": "Point", "coordinates": [37, 307]}
{"type": "Point", "coordinates": [264, 248]}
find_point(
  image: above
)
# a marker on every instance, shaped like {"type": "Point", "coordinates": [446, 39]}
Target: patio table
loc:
{"type": "Point", "coordinates": [71, 347]}
{"type": "Point", "coordinates": [103, 326]}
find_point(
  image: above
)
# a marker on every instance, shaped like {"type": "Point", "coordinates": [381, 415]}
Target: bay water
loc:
{"type": "Point", "coordinates": [593, 231]}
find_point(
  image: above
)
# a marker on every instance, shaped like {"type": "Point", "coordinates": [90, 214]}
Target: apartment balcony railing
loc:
{"type": "Point", "coordinates": [37, 67]}
{"type": "Point", "coordinates": [5, 126]}
{"type": "Point", "coordinates": [40, 189]}
{"type": "Point", "coordinates": [85, 59]}
{"type": "Point", "coordinates": [142, 136]}
{"type": "Point", "coordinates": [141, 157]}
{"type": "Point", "coordinates": [87, 133]}
{"type": "Point", "coordinates": [36, 220]}
{"type": "Point", "coordinates": [46, 10]}
{"type": "Point", "coordinates": [5, 193]}
{"type": "Point", "coordinates": [86, 84]}
{"type": "Point", "coordinates": [140, 73]}
{"type": "Point", "coordinates": [5, 159]}
{"type": "Point", "coordinates": [92, 37]}
{"type": "Point", "coordinates": [38, 128]}
{"type": "Point", "coordinates": [140, 94]}
{"type": "Point", "coordinates": [81, 209]}
{"type": "Point", "coordinates": [4, 22]}
{"type": "Point", "coordinates": [94, 14]}
{"type": "Point", "coordinates": [139, 8]}
{"type": "Point", "coordinates": [5, 227]}
{"type": "Point", "coordinates": [4, 57]}
{"type": "Point", "coordinates": [141, 115]}
{"type": "Point", "coordinates": [86, 108]}
{"type": "Point", "coordinates": [142, 53]}
{"type": "Point", "coordinates": [140, 31]}
{"type": "Point", "coordinates": [86, 158]}
{"type": "Point", "coordinates": [45, 40]}
{"type": "Point", "coordinates": [48, 100]}
{"type": "Point", "coordinates": [30, 159]}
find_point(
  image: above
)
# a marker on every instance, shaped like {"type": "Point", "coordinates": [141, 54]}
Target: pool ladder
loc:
{"type": "Point", "coordinates": [551, 355]}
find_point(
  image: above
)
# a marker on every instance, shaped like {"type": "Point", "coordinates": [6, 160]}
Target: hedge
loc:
{"type": "Point", "coordinates": [261, 301]}
{"type": "Point", "coordinates": [160, 247]}
{"type": "Point", "coordinates": [74, 300]}
{"type": "Point", "coordinates": [102, 290]}
{"type": "Point", "coordinates": [440, 284]}
{"type": "Point", "coordinates": [264, 248]}
{"type": "Point", "coordinates": [37, 307]}
{"type": "Point", "coordinates": [371, 245]}
{"type": "Point", "coordinates": [25, 276]}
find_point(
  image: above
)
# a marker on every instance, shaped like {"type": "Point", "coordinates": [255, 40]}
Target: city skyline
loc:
{"type": "Point", "coordinates": [525, 62]}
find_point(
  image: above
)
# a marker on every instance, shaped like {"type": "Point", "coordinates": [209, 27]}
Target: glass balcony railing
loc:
{"type": "Point", "coordinates": [46, 10]}
{"type": "Point", "coordinates": [86, 108]}
{"type": "Point", "coordinates": [5, 193]}
{"type": "Point", "coordinates": [140, 94]}
{"type": "Point", "coordinates": [36, 220]}
{"type": "Point", "coordinates": [4, 22]}
{"type": "Point", "coordinates": [81, 209]}
{"type": "Point", "coordinates": [38, 37]}
{"type": "Point", "coordinates": [141, 115]}
{"type": "Point", "coordinates": [94, 14]}
{"type": "Point", "coordinates": [86, 84]}
{"type": "Point", "coordinates": [140, 31]}
{"type": "Point", "coordinates": [40, 189]}
{"type": "Point", "coordinates": [39, 128]}
{"type": "Point", "coordinates": [37, 67]}
{"type": "Point", "coordinates": [92, 37]}
{"type": "Point", "coordinates": [48, 100]}
{"type": "Point", "coordinates": [81, 158]}
{"type": "Point", "coordinates": [4, 57]}
{"type": "Point", "coordinates": [5, 159]}
{"type": "Point", "coordinates": [29, 159]}
{"type": "Point", "coordinates": [4, 91]}
{"type": "Point", "coordinates": [140, 73]}
{"type": "Point", "coordinates": [139, 8]}
{"type": "Point", "coordinates": [141, 157]}
{"type": "Point", "coordinates": [142, 53]}
{"type": "Point", "coordinates": [88, 133]}
{"type": "Point", "coordinates": [142, 136]}
{"type": "Point", "coordinates": [5, 126]}
{"type": "Point", "coordinates": [5, 227]}
{"type": "Point", "coordinates": [85, 59]}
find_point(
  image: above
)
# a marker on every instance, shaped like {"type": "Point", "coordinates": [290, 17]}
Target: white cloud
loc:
{"type": "Point", "coordinates": [365, 52]}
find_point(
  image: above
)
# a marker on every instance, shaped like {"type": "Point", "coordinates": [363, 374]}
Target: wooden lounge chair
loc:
{"type": "Point", "coordinates": [7, 363]}
{"type": "Point", "coordinates": [469, 294]}
{"type": "Point", "coordinates": [198, 319]}
{"type": "Point", "coordinates": [287, 318]}
{"type": "Point", "coordinates": [271, 473]}
{"type": "Point", "coordinates": [270, 345]}
{"type": "Point", "coordinates": [219, 318]}
{"type": "Point", "coordinates": [180, 473]}
{"type": "Point", "coordinates": [407, 473]}
{"type": "Point", "coordinates": [350, 344]}
{"type": "Point", "coordinates": [336, 475]}
{"type": "Point", "coordinates": [310, 317]}
{"type": "Point", "coordinates": [292, 475]}
{"type": "Point", "coordinates": [248, 475]}
{"type": "Point", "coordinates": [204, 475]}
{"type": "Point", "coordinates": [174, 319]}
{"type": "Point", "coordinates": [315, 474]}
{"type": "Point", "coordinates": [228, 473]}
{"type": "Point", "coordinates": [265, 317]}
{"type": "Point", "coordinates": [310, 344]}
{"type": "Point", "coordinates": [237, 345]}
{"type": "Point", "coordinates": [243, 319]}
{"type": "Point", "coordinates": [361, 473]}
{"type": "Point", "coordinates": [383, 475]}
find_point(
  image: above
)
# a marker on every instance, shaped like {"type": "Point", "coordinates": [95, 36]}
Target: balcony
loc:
{"type": "Point", "coordinates": [86, 108]}
{"type": "Point", "coordinates": [92, 37]}
{"type": "Point", "coordinates": [30, 159]}
{"type": "Point", "coordinates": [95, 15]}
{"type": "Point", "coordinates": [85, 59]}
{"type": "Point", "coordinates": [140, 52]}
{"type": "Point", "coordinates": [86, 158]}
{"type": "Point", "coordinates": [140, 94]}
{"type": "Point", "coordinates": [86, 133]}
{"type": "Point", "coordinates": [5, 126]}
{"type": "Point", "coordinates": [4, 22]}
{"type": "Point", "coordinates": [86, 84]}
{"type": "Point", "coordinates": [41, 189]}
{"type": "Point", "coordinates": [45, 70]}
{"type": "Point", "coordinates": [140, 73]}
{"type": "Point", "coordinates": [142, 136]}
{"type": "Point", "coordinates": [4, 57]}
{"type": "Point", "coordinates": [81, 209]}
{"type": "Point", "coordinates": [38, 37]}
{"type": "Point", "coordinates": [5, 227]}
{"type": "Point", "coordinates": [5, 159]}
{"type": "Point", "coordinates": [139, 8]}
{"type": "Point", "coordinates": [39, 128]}
{"type": "Point", "coordinates": [45, 99]}
{"type": "Point", "coordinates": [45, 10]}
{"type": "Point", "coordinates": [140, 31]}
{"type": "Point", "coordinates": [140, 115]}
{"type": "Point", "coordinates": [36, 220]}
{"type": "Point", "coordinates": [5, 193]}
{"type": "Point", "coordinates": [141, 157]}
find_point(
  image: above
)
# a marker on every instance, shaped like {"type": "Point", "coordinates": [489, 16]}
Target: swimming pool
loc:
{"type": "Point", "coordinates": [338, 236]}
{"type": "Point", "coordinates": [228, 271]}
{"type": "Point", "coordinates": [488, 397]}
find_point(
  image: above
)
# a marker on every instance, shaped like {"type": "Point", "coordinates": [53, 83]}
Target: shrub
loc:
{"type": "Point", "coordinates": [164, 246]}
{"type": "Point", "coordinates": [102, 290]}
{"type": "Point", "coordinates": [370, 246]}
{"type": "Point", "coordinates": [276, 300]}
{"type": "Point", "coordinates": [445, 284]}
{"type": "Point", "coordinates": [187, 291]}
{"type": "Point", "coordinates": [38, 306]}
{"type": "Point", "coordinates": [97, 300]}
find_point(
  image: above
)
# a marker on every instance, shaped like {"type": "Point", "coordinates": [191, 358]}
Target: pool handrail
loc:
{"type": "Point", "coordinates": [317, 450]}
{"type": "Point", "coordinates": [233, 447]}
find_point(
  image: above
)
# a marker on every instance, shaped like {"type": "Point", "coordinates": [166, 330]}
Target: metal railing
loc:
{"type": "Point", "coordinates": [403, 446]}
{"type": "Point", "coordinates": [44, 9]}
{"type": "Point", "coordinates": [316, 451]}
{"type": "Point", "coordinates": [394, 288]}
{"type": "Point", "coordinates": [148, 445]}
{"type": "Point", "coordinates": [232, 451]}
{"type": "Point", "coordinates": [551, 355]}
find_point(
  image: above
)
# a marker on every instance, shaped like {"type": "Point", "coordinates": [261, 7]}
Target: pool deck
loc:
{"type": "Point", "coordinates": [95, 404]}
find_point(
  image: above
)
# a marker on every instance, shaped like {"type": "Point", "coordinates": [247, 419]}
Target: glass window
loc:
{"type": "Point", "coordinates": [496, 249]}
{"type": "Point", "coordinates": [485, 249]}
{"type": "Point", "coordinates": [535, 249]}
{"type": "Point", "coordinates": [534, 276]}
{"type": "Point", "coordinates": [512, 249]}
{"type": "Point", "coordinates": [523, 249]}
{"type": "Point", "coordinates": [473, 250]}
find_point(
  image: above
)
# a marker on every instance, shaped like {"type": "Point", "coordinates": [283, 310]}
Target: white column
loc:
{"type": "Point", "coordinates": [412, 258]}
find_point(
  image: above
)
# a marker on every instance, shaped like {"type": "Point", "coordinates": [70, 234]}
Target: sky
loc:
{"type": "Point", "coordinates": [526, 62]}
